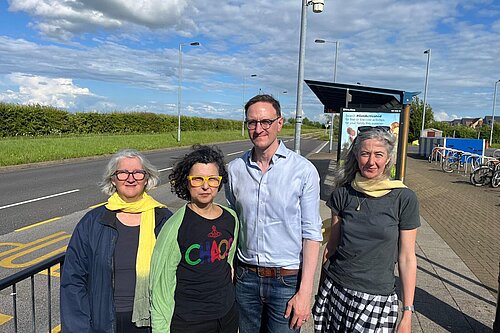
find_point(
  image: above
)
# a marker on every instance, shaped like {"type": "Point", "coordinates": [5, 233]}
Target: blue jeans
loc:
{"type": "Point", "coordinates": [263, 301]}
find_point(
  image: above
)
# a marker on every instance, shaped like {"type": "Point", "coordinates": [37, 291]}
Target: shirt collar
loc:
{"type": "Point", "coordinates": [281, 152]}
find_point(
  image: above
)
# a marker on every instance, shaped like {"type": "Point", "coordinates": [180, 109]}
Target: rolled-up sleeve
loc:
{"type": "Point", "coordinates": [309, 206]}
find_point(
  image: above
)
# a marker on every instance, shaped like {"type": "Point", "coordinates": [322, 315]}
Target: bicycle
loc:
{"type": "Point", "coordinates": [495, 180]}
{"type": "Point", "coordinates": [486, 173]}
{"type": "Point", "coordinates": [453, 161]}
{"type": "Point", "coordinates": [472, 159]}
{"type": "Point", "coordinates": [438, 153]}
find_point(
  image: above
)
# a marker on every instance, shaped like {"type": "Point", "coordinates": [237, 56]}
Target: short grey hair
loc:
{"type": "Point", "coordinates": [153, 175]}
{"type": "Point", "coordinates": [346, 173]}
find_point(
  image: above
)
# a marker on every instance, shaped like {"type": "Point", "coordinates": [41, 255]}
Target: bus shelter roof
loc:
{"type": "Point", "coordinates": [333, 96]}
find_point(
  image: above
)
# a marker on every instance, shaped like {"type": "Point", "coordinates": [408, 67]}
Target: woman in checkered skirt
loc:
{"type": "Point", "coordinates": [374, 224]}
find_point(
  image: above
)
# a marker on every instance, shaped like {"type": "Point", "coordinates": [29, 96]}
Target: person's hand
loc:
{"type": "Point", "coordinates": [404, 325]}
{"type": "Point", "coordinates": [300, 308]}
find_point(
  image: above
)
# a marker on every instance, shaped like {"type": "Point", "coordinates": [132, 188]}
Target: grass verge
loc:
{"type": "Point", "coordinates": [24, 150]}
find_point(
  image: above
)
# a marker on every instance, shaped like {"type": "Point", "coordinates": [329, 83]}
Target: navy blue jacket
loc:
{"type": "Point", "coordinates": [87, 278]}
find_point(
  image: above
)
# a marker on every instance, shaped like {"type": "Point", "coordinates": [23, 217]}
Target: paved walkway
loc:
{"type": "Point", "coordinates": [465, 216]}
{"type": "Point", "coordinates": [457, 248]}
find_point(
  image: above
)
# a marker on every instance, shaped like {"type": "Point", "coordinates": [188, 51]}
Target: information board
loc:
{"type": "Point", "coordinates": [351, 119]}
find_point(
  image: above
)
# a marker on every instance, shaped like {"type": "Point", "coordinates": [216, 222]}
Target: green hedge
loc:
{"type": "Point", "coordinates": [38, 120]}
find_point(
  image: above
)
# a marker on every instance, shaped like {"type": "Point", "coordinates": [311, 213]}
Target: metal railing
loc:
{"type": "Point", "coordinates": [29, 273]}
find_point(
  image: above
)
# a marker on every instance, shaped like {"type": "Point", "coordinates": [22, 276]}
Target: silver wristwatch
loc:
{"type": "Point", "coordinates": [408, 308]}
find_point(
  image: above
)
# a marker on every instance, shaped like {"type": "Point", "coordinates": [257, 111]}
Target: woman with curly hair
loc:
{"type": "Point", "coordinates": [191, 269]}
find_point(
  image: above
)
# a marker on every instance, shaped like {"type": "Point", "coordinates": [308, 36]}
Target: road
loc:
{"type": "Point", "coordinates": [42, 192]}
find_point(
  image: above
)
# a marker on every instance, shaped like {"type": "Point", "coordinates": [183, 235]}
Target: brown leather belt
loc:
{"type": "Point", "coordinates": [269, 272]}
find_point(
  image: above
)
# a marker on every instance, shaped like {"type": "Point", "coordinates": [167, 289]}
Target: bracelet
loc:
{"type": "Point", "coordinates": [408, 308]}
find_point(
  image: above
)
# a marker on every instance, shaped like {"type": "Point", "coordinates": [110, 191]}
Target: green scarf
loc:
{"type": "Point", "coordinates": [375, 187]}
{"type": "Point", "coordinates": [147, 239]}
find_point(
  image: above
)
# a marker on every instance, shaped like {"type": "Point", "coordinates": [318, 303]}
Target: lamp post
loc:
{"type": "Point", "coordinates": [428, 52]}
{"type": "Point", "coordinates": [243, 121]}
{"type": "Point", "coordinates": [317, 8]}
{"type": "Point", "coordinates": [493, 113]}
{"type": "Point", "coordinates": [280, 92]}
{"type": "Point", "coordinates": [179, 89]}
{"type": "Point", "coordinates": [336, 42]}
{"type": "Point", "coordinates": [322, 41]}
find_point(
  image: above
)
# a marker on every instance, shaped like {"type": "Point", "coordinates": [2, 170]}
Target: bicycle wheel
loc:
{"type": "Point", "coordinates": [495, 180]}
{"type": "Point", "coordinates": [449, 164]}
{"type": "Point", "coordinates": [481, 176]}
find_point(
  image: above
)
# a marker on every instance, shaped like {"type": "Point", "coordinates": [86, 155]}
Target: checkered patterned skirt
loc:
{"type": "Point", "coordinates": [338, 309]}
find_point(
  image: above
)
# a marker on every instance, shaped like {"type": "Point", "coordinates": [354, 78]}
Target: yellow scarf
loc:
{"type": "Point", "coordinates": [147, 239]}
{"type": "Point", "coordinates": [375, 187]}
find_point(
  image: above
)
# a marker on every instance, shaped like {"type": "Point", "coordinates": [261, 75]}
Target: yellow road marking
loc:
{"type": "Point", "coordinates": [56, 329]}
{"type": "Point", "coordinates": [4, 318]}
{"type": "Point", "coordinates": [7, 262]}
{"type": "Point", "coordinates": [38, 224]}
{"type": "Point", "coordinates": [99, 204]}
{"type": "Point", "coordinates": [54, 271]}
{"type": "Point", "coordinates": [19, 246]}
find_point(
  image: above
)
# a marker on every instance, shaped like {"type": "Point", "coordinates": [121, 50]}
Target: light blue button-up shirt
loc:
{"type": "Point", "coordinates": [277, 210]}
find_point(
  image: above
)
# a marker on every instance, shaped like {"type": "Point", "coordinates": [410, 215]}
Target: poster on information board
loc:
{"type": "Point", "coordinates": [352, 119]}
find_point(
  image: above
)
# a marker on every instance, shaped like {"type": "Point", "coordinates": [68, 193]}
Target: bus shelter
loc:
{"type": "Point", "coordinates": [359, 105]}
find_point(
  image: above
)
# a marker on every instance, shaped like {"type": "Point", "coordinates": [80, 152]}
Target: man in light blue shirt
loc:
{"type": "Point", "coordinates": [276, 195]}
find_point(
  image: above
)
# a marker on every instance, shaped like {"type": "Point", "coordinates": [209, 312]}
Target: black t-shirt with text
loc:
{"type": "Point", "coordinates": [204, 289]}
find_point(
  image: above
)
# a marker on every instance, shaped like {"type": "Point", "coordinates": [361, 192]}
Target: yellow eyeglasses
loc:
{"type": "Point", "coordinates": [212, 181]}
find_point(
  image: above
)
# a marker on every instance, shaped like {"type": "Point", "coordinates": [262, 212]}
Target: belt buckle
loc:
{"type": "Point", "coordinates": [268, 272]}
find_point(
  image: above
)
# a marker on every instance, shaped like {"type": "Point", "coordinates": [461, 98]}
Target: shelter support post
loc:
{"type": "Point", "coordinates": [403, 143]}
{"type": "Point", "coordinates": [406, 98]}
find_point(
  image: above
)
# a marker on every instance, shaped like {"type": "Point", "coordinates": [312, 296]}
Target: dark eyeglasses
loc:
{"type": "Point", "coordinates": [371, 128]}
{"type": "Point", "coordinates": [197, 181]}
{"type": "Point", "coordinates": [123, 175]}
{"type": "Point", "coordinates": [264, 123]}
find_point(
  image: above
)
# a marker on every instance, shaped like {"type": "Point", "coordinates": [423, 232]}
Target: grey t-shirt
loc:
{"type": "Point", "coordinates": [368, 246]}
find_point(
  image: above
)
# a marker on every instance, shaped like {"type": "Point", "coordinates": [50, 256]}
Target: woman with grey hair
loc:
{"type": "Point", "coordinates": [105, 278]}
{"type": "Point", "coordinates": [374, 224]}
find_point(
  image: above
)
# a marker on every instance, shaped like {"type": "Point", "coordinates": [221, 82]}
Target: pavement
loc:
{"type": "Point", "coordinates": [457, 247]}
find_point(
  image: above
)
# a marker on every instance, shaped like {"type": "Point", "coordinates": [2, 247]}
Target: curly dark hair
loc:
{"type": "Point", "coordinates": [200, 154]}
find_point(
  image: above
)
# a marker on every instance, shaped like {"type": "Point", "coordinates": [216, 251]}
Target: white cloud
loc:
{"type": "Point", "coordinates": [128, 43]}
{"type": "Point", "coordinates": [62, 19]}
{"type": "Point", "coordinates": [443, 116]}
{"type": "Point", "coordinates": [59, 92]}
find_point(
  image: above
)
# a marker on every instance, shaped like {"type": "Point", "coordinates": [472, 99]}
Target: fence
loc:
{"type": "Point", "coordinates": [29, 273]}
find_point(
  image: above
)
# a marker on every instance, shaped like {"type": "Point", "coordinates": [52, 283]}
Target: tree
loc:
{"type": "Point", "coordinates": [416, 111]}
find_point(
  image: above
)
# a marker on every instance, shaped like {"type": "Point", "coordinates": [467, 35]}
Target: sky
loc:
{"type": "Point", "coordinates": [123, 55]}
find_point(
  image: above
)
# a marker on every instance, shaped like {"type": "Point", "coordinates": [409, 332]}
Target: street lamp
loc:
{"type": "Point", "coordinates": [244, 102]}
{"type": "Point", "coordinates": [179, 89]}
{"type": "Point", "coordinates": [428, 52]}
{"type": "Point", "coordinates": [322, 41]}
{"type": "Point", "coordinates": [336, 42]}
{"type": "Point", "coordinates": [281, 93]}
{"type": "Point", "coordinates": [493, 113]}
{"type": "Point", "coordinates": [317, 8]}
